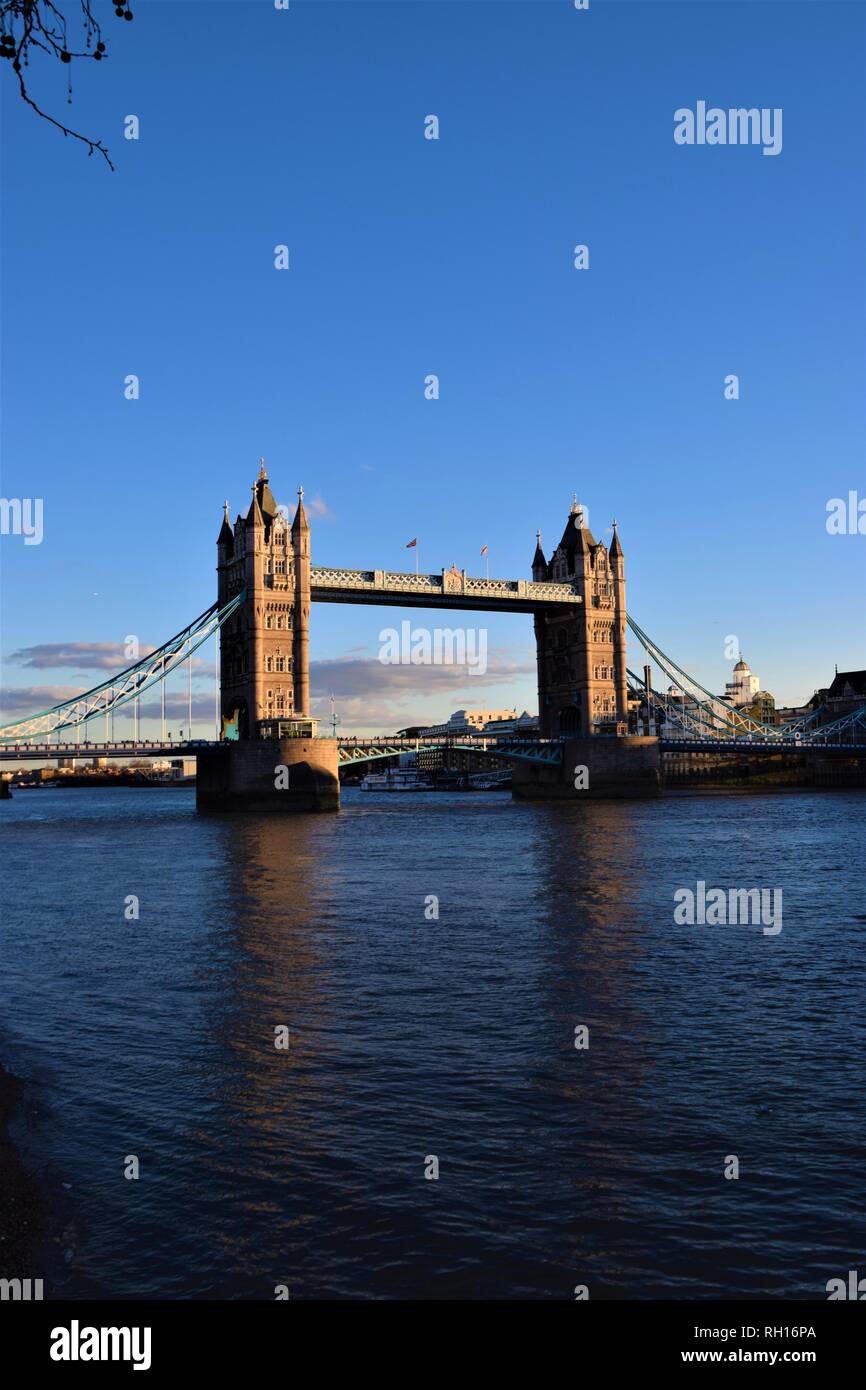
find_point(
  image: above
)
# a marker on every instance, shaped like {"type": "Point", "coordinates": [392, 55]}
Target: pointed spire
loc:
{"type": "Point", "coordinates": [539, 564]}
{"type": "Point", "coordinates": [254, 515]}
{"type": "Point", "coordinates": [615, 547]}
{"type": "Point", "coordinates": [300, 522]}
{"type": "Point", "coordinates": [226, 536]}
{"type": "Point", "coordinates": [264, 495]}
{"type": "Point", "coordinates": [577, 539]}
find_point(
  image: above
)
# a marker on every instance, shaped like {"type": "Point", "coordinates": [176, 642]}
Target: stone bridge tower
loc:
{"type": "Point", "coordinates": [264, 647]}
{"type": "Point", "coordinates": [582, 678]}
{"type": "Point", "coordinates": [301, 577]}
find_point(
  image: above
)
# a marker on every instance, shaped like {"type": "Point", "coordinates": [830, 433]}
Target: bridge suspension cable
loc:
{"type": "Point", "coordinates": [128, 685]}
{"type": "Point", "coordinates": [702, 706]}
{"type": "Point", "coordinates": [692, 718]}
{"type": "Point", "coordinates": [714, 717]}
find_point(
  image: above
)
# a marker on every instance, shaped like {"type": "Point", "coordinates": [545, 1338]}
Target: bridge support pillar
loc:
{"type": "Point", "coordinates": [288, 774]}
{"type": "Point", "coordinates": [596, 768]}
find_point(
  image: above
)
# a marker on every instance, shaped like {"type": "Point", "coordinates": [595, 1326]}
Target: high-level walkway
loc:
{"type": "Point", "coordinates": [449, 589]}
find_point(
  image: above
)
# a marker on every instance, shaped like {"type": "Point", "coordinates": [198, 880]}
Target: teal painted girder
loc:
{"type": "Point", "coordinates": [129, 684]}
{"type": "Point", "coordinates": [528, 751]}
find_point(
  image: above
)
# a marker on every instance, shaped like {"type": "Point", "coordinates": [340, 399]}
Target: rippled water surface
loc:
{"type": "Point", "coordinates": [452, 1037]}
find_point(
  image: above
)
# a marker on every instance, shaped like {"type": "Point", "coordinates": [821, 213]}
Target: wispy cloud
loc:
{"type": "Point", "coordinates": [86, 656]}
{"type": "Point", "coordinates": [370, 694]}
{"type": "Point", "coordinates": [77, 656]}
{"type": "Point", "coordinates": [176, 708]}
{"type": "Point", "coordinates": [29, 699]}
{"type": "Point", "coordinates": [315, 505]}
{"type": "Point", "coordinates": [369, 676]}
{"type": "Point", "coordinates": [318, 507]}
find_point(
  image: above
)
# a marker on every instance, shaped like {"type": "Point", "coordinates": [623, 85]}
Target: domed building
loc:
{"type": "Point", "coordinates": [745, 693]}
{"type": "Point", "coordinates": [744, 687]}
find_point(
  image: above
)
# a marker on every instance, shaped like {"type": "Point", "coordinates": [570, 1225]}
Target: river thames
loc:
{"type": "Point", "coordinates": [414, 1036]}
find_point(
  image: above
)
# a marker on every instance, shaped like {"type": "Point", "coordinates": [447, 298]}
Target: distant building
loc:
{"type": "Point", "coordinates": [790, 714]}
{"type": "Point", "coordinates": [762, 708]}
{"type": "Point", "coordinates": [442, 758]}
{"type": "Point", "coordinates": [524, 723]}
{"type": "Point", "coordinates": [678, 718]}
{"type": "Point", "coordinates": [468, 721]}
{"type": "Point", "coordinates": [742, 690]}
{"type": "Point", "coordinates": [847, 693]}
{"type": "Point", "coordinates": [745, 694]}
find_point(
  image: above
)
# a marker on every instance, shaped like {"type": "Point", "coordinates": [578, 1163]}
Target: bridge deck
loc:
{"type": "Point", "coordinates": [769, 747]}
{"type": "Point", "coordinates": [362, 749]}
{"type": "Point", "coordinates": [353, 750]}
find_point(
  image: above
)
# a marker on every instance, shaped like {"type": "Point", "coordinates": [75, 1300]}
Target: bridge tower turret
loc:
{"type": "Point", "coordinates": [580, 652]}
{"type": "Point", "coordinates": [301, 556]}
{"type": "Point", "coordinates": [256, 656]}
{"type": "Point", "coordinates": [617, 565]}
{"type": "Point", "coordinates": [539, 564]}
{"type": "Point", "coordinates": [264, 671]}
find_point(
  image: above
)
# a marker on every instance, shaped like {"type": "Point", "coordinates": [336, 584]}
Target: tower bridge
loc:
{"type": "Point", "coordinates": [266, 586]}
{"type": "Point", "coordinates": [577, 601]}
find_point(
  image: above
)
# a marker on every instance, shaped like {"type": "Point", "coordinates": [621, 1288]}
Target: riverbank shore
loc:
{"type": "Point", "coordinates": [22, 1215]}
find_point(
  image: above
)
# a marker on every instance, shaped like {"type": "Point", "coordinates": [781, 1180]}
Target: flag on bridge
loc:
{"type": "Point", "coordinates": [484, 549]}
{"type": "Point", "coordinates": [409, 544]}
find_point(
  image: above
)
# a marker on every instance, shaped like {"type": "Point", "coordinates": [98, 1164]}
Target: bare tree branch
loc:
{"type": "Point", "coordinates": [42, 24]}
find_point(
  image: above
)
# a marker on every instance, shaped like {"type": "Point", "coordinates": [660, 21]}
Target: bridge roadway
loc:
{"type": "Point", "coordinates": [768, 747]}
{"type": "Point", "coordinates": [158, 748]}
{"type": "Point", "coordinates": [357, 750]}
{"type": "Point", "coordinates": [351, 750]}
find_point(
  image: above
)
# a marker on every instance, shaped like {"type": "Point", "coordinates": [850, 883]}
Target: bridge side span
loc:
{"type": "Point", "coordinates": [353, 751]}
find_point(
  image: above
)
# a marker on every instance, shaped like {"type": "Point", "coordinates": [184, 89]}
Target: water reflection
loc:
{"type": "Point", "coordinates": [451, 1036]}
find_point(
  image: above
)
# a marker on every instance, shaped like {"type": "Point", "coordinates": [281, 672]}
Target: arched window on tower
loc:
{"type": "Point", "coordinates": [569, 720]}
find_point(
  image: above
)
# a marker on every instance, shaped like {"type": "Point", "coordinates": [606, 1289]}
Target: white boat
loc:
{"type": "Point", "coordinates": [490, 781]}
{"type": "Point", "coordinates": [397, 779]}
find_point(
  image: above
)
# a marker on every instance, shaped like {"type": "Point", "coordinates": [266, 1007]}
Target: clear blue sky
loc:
{"type": "Point", "coordinates": [454, 257]}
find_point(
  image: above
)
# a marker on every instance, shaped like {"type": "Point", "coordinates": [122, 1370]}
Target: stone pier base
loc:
{"type": "Point", "coordinates": [615, 768]}
{"type": "Point", "coordinates": [288, 774]}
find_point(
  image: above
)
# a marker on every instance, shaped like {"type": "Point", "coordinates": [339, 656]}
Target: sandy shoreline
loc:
{"type": "Point", "coordinates": [22, 1213]}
